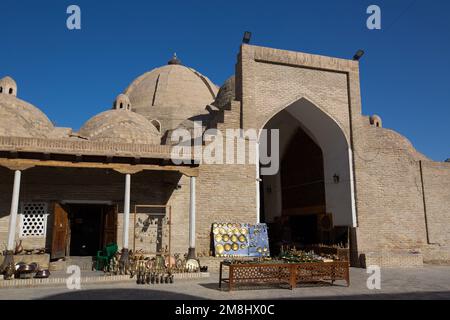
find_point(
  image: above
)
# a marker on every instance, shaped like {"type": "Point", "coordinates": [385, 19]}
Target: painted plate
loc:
{"type": "Point", "coordinates": [225, 238]}
{"type": "Point", "coordinates": [242, 238]}
{"type": "Point", "coordinates": [222, 231]}
{"type": "Point", "coordinates": [218, 238]}
{"type": "Point", "coordinates": [216, 230]}
{"type": "Point", "coordinates": [227, 247]}
{"type": "Point", "coordinates": [235, 246]}
{"type": "Point", "coordinates": [234, 238]}
{"type": "Point", "coordinates": [244, 231]}
{"type": "Point", "coordinates": [219, 249]}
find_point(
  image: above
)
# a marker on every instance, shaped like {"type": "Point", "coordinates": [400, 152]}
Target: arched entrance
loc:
{"type": "Point", "coordinates": [310, 199]}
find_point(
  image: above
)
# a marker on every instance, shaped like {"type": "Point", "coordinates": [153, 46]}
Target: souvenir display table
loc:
{"type": "Point", "coordinates": [281, 272]}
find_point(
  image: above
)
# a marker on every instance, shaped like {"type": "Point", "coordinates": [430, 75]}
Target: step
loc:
{"type": "Point", "coordinates": [85, 263]}
{"type": "Point", "coordinates": [61, 280]}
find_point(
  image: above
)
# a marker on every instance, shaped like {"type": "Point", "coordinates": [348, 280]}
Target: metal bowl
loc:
{"type": "Point", "coordinates": [24, 268]}
{"type": "Point", "coordinates": [34, 266]}
{"type": "Point", "coordinates": [42, 274]}
{"type": "Point", "coordinates": [19, 264]}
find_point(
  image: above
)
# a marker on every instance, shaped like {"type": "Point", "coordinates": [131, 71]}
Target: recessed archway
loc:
{"type": "Point", "coordinates": [315, 179]}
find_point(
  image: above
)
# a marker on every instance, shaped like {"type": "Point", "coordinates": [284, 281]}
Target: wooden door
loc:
{"type": "Point", "coordinates": [60, 232]}
{"type": "Point", "coordinates": [109, 225]}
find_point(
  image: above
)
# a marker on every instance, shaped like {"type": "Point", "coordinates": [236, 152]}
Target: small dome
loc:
{"type": "Point", "coordinates": [227, 93]}
{"type": "Point", "coordinates": [122, 102]}
{"type": "Point", "coordinates": [171, 94]}
{"type": "Point", "coordinates": [8, 86]}
{"type": "Point", "coordinates": [21, 119]}
{"type": "Point", "coordinates": [120, 126]}
{"type": "Point", "coordinates": [375, 120]}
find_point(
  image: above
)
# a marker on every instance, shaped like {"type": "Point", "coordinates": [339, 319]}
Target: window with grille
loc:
{"type": "Point", "coordinates": [33, 219]}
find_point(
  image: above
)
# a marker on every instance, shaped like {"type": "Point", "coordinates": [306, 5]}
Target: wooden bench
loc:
{"type": "Point", "coordinates": [284, 273]}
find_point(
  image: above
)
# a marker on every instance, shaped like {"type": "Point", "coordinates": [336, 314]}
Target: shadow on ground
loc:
{"type": "Point", "coordinates": [121, 294]}
{"type": "Point", "coordinates": [256, 287]}
{"type": "Point", "coordinates": [142, 294]}
{"type": "Point", "coordinates": [432, 295]}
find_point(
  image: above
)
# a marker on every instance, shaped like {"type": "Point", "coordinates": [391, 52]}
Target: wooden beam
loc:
{"type": "Point", "coordinates": [16, 164]}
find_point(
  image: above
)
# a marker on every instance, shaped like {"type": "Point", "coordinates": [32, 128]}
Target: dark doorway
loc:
{"type": "Point", "coordinates": [310, 199]}
{"type": "Point", "coordinates": [90, 227]}
{"type": "Point", "coordinates": [302, 191]}
{"type": "Point", "coordinates": [304, 229]}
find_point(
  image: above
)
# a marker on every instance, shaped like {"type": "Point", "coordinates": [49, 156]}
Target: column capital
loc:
{"type": "Point", "coordinates": [128, 170]}
{"type": "Point", "coordinates": [14, 165]}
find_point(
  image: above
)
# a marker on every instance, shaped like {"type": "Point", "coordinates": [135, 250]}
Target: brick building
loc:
{"type": "Point", "coordinates": [342, 177]}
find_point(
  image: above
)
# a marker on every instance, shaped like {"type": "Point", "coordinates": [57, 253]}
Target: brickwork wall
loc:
{"type": "Point", "coordinates": [436, 180]}
{"type": "Point", "coordinates": [225, 193]}
{"type": "Point", "coordinates": [389, 194]}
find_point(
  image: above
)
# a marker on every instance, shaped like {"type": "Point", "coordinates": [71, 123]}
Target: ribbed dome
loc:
{"type": "Point", "coordinates": [227, 93]}
{"type": "Point", "coordinates": [171, 94]}
{"type": "Point", "coordinates": [21, 119]}
{"type": "Point", "coordinates": [120, 126]}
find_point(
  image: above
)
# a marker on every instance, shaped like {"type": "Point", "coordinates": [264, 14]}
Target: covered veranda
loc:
{"type": "Point", "coordinates": [25, 156]}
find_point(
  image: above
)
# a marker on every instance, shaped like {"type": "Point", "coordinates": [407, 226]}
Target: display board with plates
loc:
{"type": "Point", "coordinates": [258, 241]}
{"type": "Point", "coordinates": [230, 239]}
{"type": "Point", "coordinates": [233, 240]}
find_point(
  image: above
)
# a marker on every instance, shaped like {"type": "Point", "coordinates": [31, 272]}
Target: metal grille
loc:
{"type": "Point", "coordinates": [33, 220]}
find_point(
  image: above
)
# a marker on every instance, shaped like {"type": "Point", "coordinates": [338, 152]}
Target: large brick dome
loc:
{"type": "Point", "coordinates": [171, 93]}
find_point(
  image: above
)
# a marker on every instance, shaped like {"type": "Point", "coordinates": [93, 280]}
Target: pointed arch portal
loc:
{"type": "Point", "coordinates": [315, 179]}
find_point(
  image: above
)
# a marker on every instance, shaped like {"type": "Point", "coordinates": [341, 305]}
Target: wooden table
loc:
{"type": "Point", "coordinates": [284, 273]}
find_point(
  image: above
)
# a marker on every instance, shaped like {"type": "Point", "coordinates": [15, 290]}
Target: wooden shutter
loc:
{"type": "Point", "coordinates": [60, 232]}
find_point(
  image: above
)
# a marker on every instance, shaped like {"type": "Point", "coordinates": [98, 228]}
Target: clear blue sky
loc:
{"type": "Point", "coordinates": [73, 75]}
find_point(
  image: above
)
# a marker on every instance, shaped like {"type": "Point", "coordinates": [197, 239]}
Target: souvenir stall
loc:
{"type": "Point", "coordinates": [235, 241]}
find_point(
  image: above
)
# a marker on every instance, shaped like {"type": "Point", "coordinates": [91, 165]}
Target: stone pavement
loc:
{"type": "Point", "coordinates": [430, 282]}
